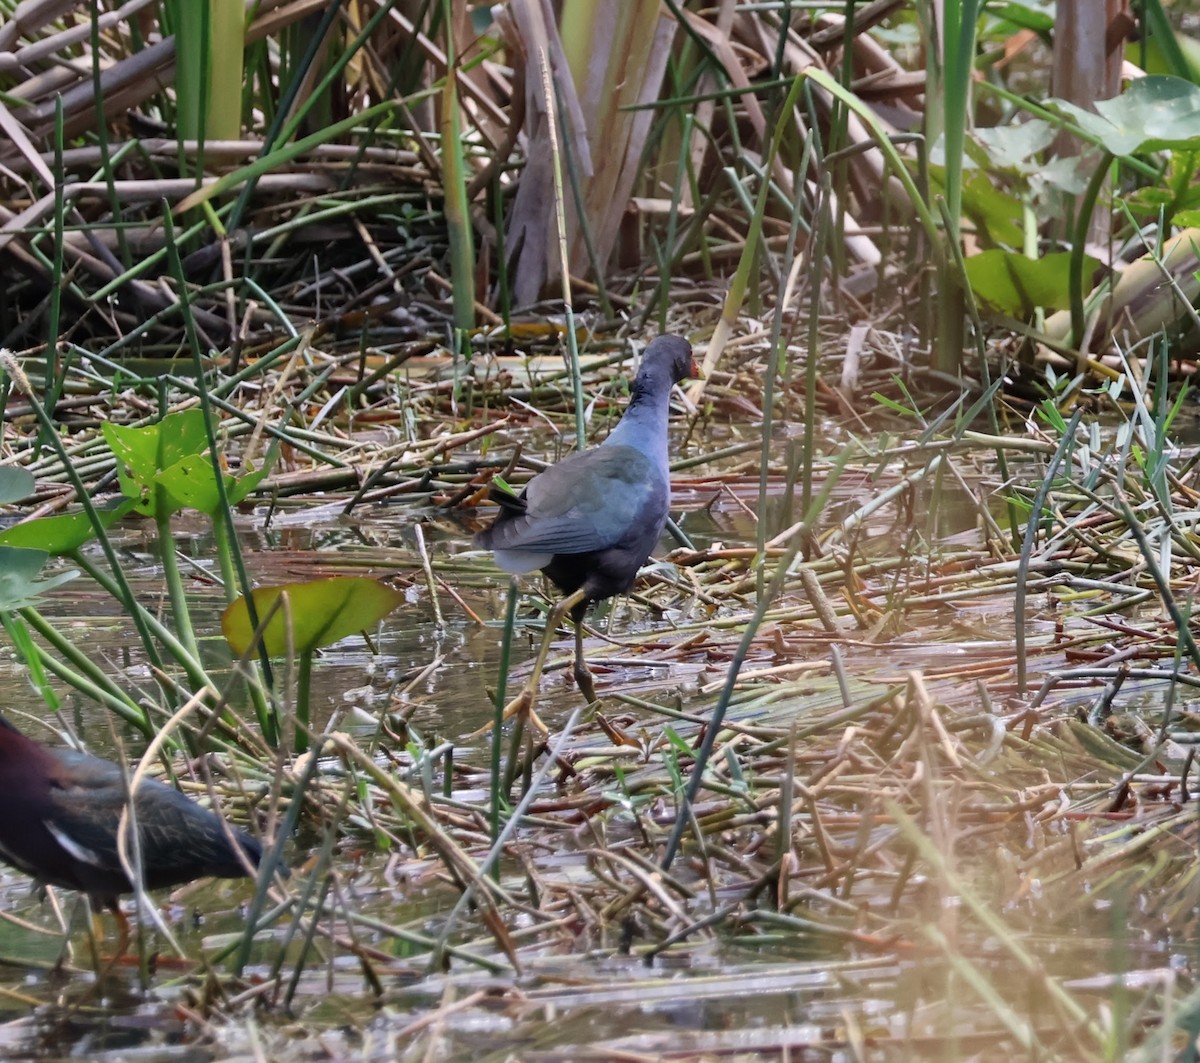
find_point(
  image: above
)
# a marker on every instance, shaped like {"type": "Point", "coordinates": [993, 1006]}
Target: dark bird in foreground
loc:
{"type": "Point", "coordinates": [62, 813]}
{"type": "Point", "coordinates": [590, 522]}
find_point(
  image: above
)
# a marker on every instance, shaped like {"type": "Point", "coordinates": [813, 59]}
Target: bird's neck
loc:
{"type": "Point", "coordinates": [644, 423]}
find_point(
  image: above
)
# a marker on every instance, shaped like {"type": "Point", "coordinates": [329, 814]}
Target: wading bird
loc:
{"type": "Point", "coordinates": [62, 813]}
{"type": "Point", "coordinates": [590, 522]}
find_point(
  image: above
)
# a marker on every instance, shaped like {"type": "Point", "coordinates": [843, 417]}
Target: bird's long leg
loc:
{"type": "Point", "coordinates": [94, 925]}
{"type": "Point", "coordinates": [106, 967]}
{"type": "Point", "coordinates": [124, 934]}
{"type": "Point", "coordinates": [583, 678]}
{"type": "Point", "coordinates": [523, 702]}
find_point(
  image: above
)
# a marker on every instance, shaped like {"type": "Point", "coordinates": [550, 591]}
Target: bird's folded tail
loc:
{"type": "Point", "coordinates": [505, 497]}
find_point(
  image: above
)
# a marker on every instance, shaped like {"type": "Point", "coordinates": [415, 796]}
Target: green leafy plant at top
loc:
{"type": "Point", "coordinates": [162, 468]}
{"type": "Point", "coordinates": [165, 467]}
{"type": "Point", "coordinates": [20, 590]}
{"type": "Point", "coordinates": [1011, 188]}
{"type": "Point", "coordinates": [1004, 179]}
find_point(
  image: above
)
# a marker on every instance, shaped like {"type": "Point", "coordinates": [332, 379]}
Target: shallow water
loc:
{"type": "Point", "coordinates": [773, 991]}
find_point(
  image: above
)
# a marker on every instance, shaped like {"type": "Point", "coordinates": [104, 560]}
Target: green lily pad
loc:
{"type": "Point", "coordinates": [322, 612]}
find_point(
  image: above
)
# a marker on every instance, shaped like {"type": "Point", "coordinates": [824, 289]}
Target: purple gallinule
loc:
{"type": "Point", "coordinates": [62, 812]}
{"type": "Point", "coordinates": [590, 522]}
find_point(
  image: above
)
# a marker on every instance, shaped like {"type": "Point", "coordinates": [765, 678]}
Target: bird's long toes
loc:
{"type": "Point", "coordinates": [522, 703]}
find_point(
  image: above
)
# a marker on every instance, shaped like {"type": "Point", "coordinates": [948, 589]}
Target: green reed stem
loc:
{"type": "Point", "coordinates": [506, 644]}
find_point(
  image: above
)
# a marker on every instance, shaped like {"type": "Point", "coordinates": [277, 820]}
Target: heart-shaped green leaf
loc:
{"type": "Point", "coordinates": [19, 585]}
{"type": "Point", "coordinates": [191, 482]}
{"type": "Point", "coordinates": [322, 611]}
{"type": "Point", "coordinates": [238, 487]}
{"type": "Point", "coordinates": [996, 213]}
{"type": "Point", "coordinates": [1017, 146]}
{"type": "Point", "coordinates": [147, 450]}
{"type": "Point", "coordinates": [63, 533]}
{"type": "Point", "coordinates": [15, 484]}
{"type": "Point", "coordinates": [164, 464]}
{"type": "Point", "coordinates": [1015, 284]}
{"type": "Point", "coordinates": [1153, 114]}
{"type": "Point", "coordinates": [142, 453]}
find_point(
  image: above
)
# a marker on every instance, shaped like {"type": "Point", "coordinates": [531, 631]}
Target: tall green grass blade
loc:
{"type": "Point", "coordinates": [77, 669]}
{"type": "Point", "coordinates": [1083, 220]}
{"type": "Point", "coordinates": [822, 223]}
{"type": "Point", "coordinates": [51, 380]}
{"type": "Point", "coordinates": [454, 188]}
{"type": "Point", "coordinates": [498, 796]}
{"type": "Point", "coordinates": [30, 653]}
{"type": "Point", "coordinates": [265, 712]}
{"type": "Point", "coordinates": [560, 216]}
{"type": "Point", "coordinates": [189, 24]}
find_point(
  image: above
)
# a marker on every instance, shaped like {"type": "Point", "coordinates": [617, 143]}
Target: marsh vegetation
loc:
{"type": "Point", "coordinates": [892, 751]}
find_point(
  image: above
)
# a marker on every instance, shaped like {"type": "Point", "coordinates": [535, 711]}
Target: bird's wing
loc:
{"type": "Point", "coordinates": [84, 808]}
{"type": "Point", "coordinates": [588, 502]}
{"type": "Point", "coordinates": [180, 836]}
{"type": "Point", "coordinates": [174, 832]}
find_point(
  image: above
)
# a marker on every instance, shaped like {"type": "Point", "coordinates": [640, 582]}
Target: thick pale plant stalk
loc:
{"type": "Point", "coordinates": [608, 61]}
{"type": "Point", "coordinates": [209, 45]}
{"type": "Point", "coordinates": [618, 52]}
{"type": "Point", "coordinates": [454, 179]}
{"type": "Point", "coordinates": [951, 30]}
{"type": "Point", "coordinates": [1087, 67]}
{"type": "Point", "coordinates": [228, 22]}
{"type": "Point", "coordinates": [1153, 293]}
